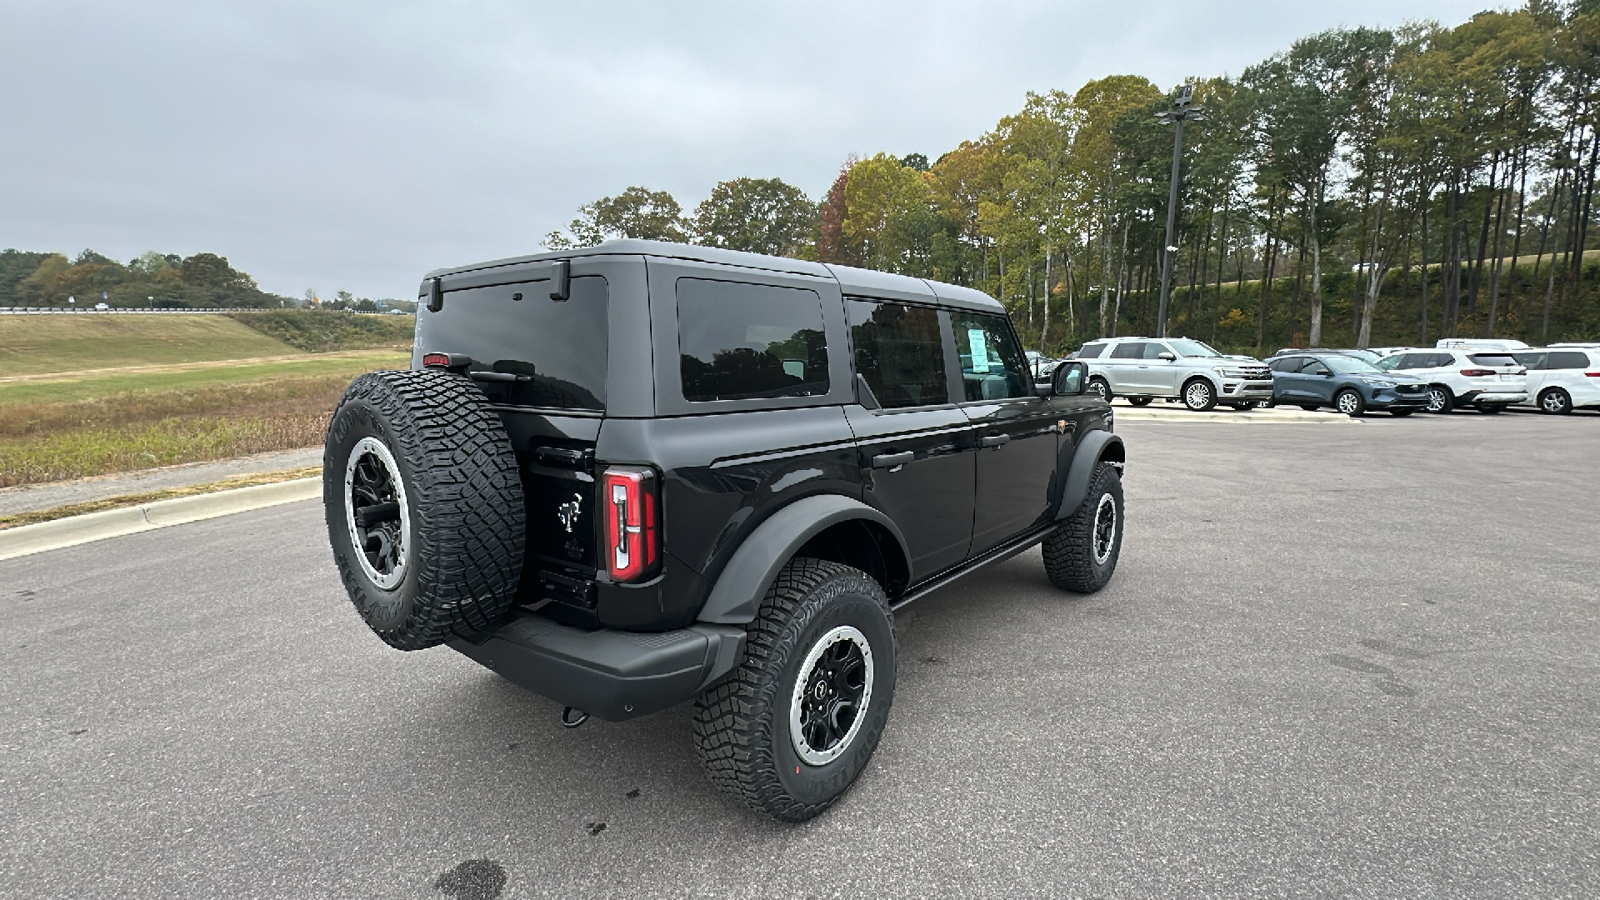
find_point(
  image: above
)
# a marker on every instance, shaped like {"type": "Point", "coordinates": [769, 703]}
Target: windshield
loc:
{"type": "Point", "coordinates": [1388, 363]}
{"type": "Point", "coordinates": [1191, 348]}
{"type": "Point", "coordinates": [1349, 365]}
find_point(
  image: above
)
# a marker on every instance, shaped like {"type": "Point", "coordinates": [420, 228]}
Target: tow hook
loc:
{"type": "Point", "coordinates": [572, 718]}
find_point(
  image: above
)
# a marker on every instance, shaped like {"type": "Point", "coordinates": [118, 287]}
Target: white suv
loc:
{"type": "Point", "coordinates": [1487, 380]}
{"type": "Point", "coordinates": [1143, 369]}
{"type": "Point", "coordinates": [1561, 379]}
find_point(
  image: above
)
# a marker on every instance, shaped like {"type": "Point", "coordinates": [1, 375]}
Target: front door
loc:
{"type": "Point", "coordinates": [1015, 430]}
{"type": "Point", "coordinates": [915, 444]}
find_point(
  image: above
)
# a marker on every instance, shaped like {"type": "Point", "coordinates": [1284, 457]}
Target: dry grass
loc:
{"type": "Point", "coordinates": [77, 509]}
{"type": "Point", "coordinates": [30, 344]}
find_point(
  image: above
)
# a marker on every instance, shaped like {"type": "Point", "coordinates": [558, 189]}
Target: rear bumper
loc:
{"type": "Point", "coordinates": [613, 675]}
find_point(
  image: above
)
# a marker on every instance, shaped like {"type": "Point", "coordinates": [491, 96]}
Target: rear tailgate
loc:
{"type": "Point", "coordinates": [1493, 372]}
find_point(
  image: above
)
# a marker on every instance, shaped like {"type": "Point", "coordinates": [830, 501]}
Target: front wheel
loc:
{"type": "Point", "coordinates": [1199, 395]}
{"type": "Point", "coordinates": [795, 724]}
{"type": "Point", "coordinates": [1440, 400]}
{"type": "Point", "coordinates": [1349, 402]}
{"type": "Point", "coordinates": [1081, 555]}
{"type": "Point", "coordinates": [1555, 401]}
{"type": "Point", "coordinates": [1100, 388]}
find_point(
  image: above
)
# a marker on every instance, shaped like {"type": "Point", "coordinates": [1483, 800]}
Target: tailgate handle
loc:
{"type": "Point", "coordinates": [890, 460]}
{"type": "Point", "coordinates": [994, 440]}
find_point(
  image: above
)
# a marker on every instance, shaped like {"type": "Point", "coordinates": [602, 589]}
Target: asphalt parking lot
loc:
{"type": "Point", "coordinates": [1335, 662]}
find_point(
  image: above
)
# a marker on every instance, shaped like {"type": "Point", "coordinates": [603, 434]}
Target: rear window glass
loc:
{"type": "Point", "coordinates": [1130, 350]}
{"type": "Point", "coordinates": [1091, 351]}
{"type": "Point", "coordinates": [1494, 359]}
{"type": "Point", "coordinates": [899, 352]}
{"type": "Point", "coordinates": [1567, 359]}
{"type": "Point", "coordinates": [556, 347]}
{"type": "Point", "coordinates": [741, 341]}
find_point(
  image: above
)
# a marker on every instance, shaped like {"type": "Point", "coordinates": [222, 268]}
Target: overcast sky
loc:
{"type": "Point", "coordinates": [342, 145]}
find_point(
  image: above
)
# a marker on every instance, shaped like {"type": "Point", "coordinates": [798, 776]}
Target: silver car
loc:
{"type": "Point", "coordinates": [1145, 369]}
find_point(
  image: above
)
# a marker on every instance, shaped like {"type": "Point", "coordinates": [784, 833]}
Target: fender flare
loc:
{"type": "Point", "coordinates": [1095, 446]}
{"type": "Point", "coordinates": [736, 596]}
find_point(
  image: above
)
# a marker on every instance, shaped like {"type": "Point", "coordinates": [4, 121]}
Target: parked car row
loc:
{"type": "Point", "coordinates": [1489, 375]}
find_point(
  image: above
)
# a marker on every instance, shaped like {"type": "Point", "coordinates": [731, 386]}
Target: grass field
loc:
{"type": "Point", "coordinates": [32, 344]}
{"type": "Point", "coordinates": [122, 407]}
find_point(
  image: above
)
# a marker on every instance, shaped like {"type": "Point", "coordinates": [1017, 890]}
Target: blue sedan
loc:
{"type": "Point", "coordinates": [1350, 385]}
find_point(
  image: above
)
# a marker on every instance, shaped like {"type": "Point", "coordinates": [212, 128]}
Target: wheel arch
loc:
{"type": "Point", "coordinates": [826, 526]}
{"type": "Point", "coordinates": [1096, 447]}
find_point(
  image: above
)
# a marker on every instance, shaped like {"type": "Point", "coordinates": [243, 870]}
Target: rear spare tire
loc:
{"type": "Point", "coordinates": [424, 506]}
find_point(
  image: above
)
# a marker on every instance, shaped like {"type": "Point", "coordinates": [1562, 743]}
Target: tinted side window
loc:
{"type": "Point", "coordinates": [899, 352]}
{"type": "Point", "coordinates": [1287, 364]}
{"type": "Point", "coordinates": [1316, 367]}
{"type": "Point", "coordinates": [1154, 350]}
{"type": "Point", "coordinates": [1531, 360]}
{"type": "Point", "coordinates": [738, 341]}
{"type": "Point", "coordinates": [1440, 360]}
{"type": "Point", "coordinates": [1091, 351]}
{"type": "Point", "coordinates": [1493, 359]}
{"type": "Point", "coordinates": [991, 361]}
{"type": "Point", "coordinates": [1567, 359]}
{"type": "Point", "coordinates": [1130, 350]}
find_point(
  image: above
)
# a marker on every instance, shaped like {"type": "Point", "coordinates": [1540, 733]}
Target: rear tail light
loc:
{"type": "Point", "coordinates": [1478, 373]}
{"type": "Point", "coordinates": [629, 503]}
{"type": "Point", "coordinates": [437, 359]}
{"type": "Point", "coordinates": [1592, 374]}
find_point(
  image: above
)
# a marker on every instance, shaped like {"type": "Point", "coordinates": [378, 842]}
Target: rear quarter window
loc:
{"type": "Point", "coordinates": [1494, 359]}
{"type": "Point", "coordinates": [1091, 351]}
{"type": "Point", "coordinates": [1567, 359]}
{"type": "Point", "coordinates": [739, 341]}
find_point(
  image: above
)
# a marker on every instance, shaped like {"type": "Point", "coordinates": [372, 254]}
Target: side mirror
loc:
{"type": "Point", "coordinates": [1167, 355]}
{"type": "Point", "coordinates": [1070, 378]}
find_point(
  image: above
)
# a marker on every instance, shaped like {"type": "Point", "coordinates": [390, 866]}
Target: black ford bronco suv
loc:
{"type": "Point", "coordinates": [638, 474]}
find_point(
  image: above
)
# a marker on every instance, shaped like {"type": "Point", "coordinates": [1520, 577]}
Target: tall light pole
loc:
{"type": "Point", "coordinates": [1183, 110]}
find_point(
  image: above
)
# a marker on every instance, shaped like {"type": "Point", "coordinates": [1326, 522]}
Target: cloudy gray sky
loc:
{"type": "Point", "coordinates": [352, 145]}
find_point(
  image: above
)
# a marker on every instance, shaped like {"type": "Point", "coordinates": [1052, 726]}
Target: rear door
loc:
{"type": "Point", "coordinates": [918, 455]}
{"type": "Point", "coordinates": [1122, 367]}
{"type": "Point", "coordinates": [1015, 429]}
{"type": "Point", "coordinates": [1287, 382]}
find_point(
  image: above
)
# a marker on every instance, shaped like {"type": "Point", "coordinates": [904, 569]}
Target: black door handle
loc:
{"type": "Point", "coordinates": [890, 460]}
{"type": "Point", "coordinates": [993, 440]}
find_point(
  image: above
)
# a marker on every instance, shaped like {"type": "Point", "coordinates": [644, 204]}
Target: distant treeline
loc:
{"type": "Point", "coordinates": [161, 281]}
{"type": "Point", "coordinates": [1365, 186]}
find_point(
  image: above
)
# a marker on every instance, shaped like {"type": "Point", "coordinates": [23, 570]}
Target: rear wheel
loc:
{"type": "Point", "coordinates": [1555, 401]}
{"type": "Point", "coordinates": [1139, 401]}
{"type": "Point", "coordinates": [1349, 402]}
{"type": "Point", "coordinates": [1081, 555]}
{"type": "Point", "coordinates": [788, 732]}
{"type": "Point", "coordinates": [1440, 400]}
{"type": "Point", "coordinates": [1199, 395]}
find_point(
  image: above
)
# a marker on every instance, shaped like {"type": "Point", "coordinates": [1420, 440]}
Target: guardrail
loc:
{"type": "Point", "coordinates": [165, 311]}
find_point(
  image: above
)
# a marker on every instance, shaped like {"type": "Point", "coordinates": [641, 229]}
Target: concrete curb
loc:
{"type": "Point", "coordinates": [74, 530]}
{"type": "Point", "coordinates": [1257, 417]}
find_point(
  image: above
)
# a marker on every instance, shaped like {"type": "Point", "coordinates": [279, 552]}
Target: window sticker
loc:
{"type": "Point", "coordinates": [979, 346]}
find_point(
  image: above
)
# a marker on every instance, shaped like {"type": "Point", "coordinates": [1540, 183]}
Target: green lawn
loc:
{"type": "Point", "coordinates": [69, 388]}
{"type": "Point", "coordinates": [69, 343]}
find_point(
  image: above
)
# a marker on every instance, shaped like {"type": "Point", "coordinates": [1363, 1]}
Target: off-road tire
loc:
{"type": "Point", "coordinates": [742, 726]}
{"type": "Point", "coordinates": [1196, 399]}
{"type": "Point", "coordinates": [1070, 553]}
{"type": "Point", "coordinates": [1555, 401]}
{"type": "Point", "coordinates": [464, 505]}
